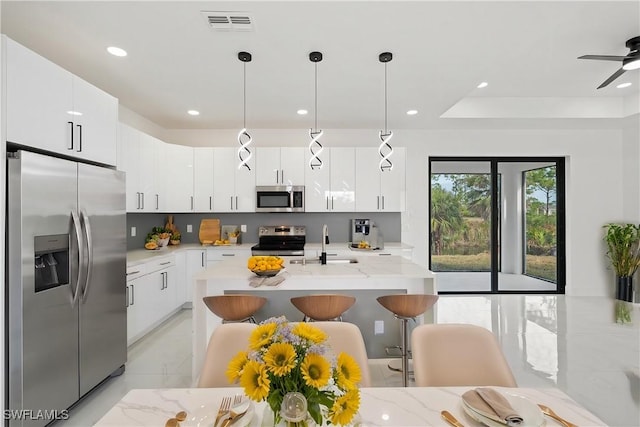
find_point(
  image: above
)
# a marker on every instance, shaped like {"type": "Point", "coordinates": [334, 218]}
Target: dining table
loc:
{"type": "Point", "coordinates": [379, 406]}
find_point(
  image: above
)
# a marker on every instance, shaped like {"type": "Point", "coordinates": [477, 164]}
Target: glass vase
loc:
{"type": "Point", "coordinates": [293, 411]}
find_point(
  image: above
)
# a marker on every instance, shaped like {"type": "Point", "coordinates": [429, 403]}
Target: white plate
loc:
{"type": "Point", "coordinates": [531, 415]}
{"type": "Point", "coordinates": [205, 416]}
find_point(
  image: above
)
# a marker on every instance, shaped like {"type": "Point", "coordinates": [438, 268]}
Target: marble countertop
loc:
{"type": "Point", "coordinates": [138, 256]}
{"type": "Point", "coordinates": [379, 406]}
{"type": "Point", "coordinates": [367, 267]}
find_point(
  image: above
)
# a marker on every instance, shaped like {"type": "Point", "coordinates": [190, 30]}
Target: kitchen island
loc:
{"type": "Point", "coordinates": [382, 275]}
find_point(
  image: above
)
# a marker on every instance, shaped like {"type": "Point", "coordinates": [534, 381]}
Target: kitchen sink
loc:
{"type": "Point", "coordinates": [329, 261]}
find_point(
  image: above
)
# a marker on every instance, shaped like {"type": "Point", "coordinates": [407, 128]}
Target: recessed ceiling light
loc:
{"type": "Point", "coordinates": [623, 85]}
{"type": "Point", "coordinates": [116, 51]}
{"type": "Point", "coordinates": [302, 112]}
{"type": "Point", "coordinates": [483, 85]}
{"type": "Point", "coordinates": [193, 112]}
{"type": "Point", "coordinates": [412, 112]}
{"type": "Point", "coordinates": [74, 113]}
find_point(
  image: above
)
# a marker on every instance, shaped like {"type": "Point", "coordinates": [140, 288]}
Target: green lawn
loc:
{"type": "Point", "coordinates": [540, 266]}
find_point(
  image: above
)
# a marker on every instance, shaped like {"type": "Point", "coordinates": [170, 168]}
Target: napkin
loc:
{"type": "Point", "coordinates": [491, 404]}
{"type": "Point", "coordinates": [258, 281]}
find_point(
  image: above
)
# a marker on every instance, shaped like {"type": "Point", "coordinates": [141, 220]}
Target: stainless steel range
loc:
{"type": "Point", "coordinates": [282, 240]}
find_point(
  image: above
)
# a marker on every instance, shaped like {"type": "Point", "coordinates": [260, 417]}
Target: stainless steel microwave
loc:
{"type": "Point", "coordinates": [280, 198]}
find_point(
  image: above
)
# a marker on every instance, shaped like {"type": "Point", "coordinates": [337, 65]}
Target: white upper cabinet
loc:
{"type": "Point", "coordinates": [377, 190]}
{"type": "Point", "coordinates": [203, 179]}
{"type": "Point", "coordinates": [280, 166]}
{"type": "Point", "coordinates": [233, 188]}
{"type": "Point", "coordinates": [178, 169]}
{"type": "Point", "coordinates": [141, 155]}
{"type": "Point", "coordinates": [129, 143]}
{"type": "Point", "coordinates": [332, 187]}
{"type": "Point", "coordinates": [95, 123]}
{"type": "Point", "coordinates": [51, 109]}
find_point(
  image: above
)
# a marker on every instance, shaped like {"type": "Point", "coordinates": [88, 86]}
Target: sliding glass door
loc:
{"type": "Point", "coordinates": [497, 224]}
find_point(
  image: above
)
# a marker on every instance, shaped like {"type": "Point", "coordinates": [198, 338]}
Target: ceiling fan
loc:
{"type": "Point", "coordinates": [629, 62]}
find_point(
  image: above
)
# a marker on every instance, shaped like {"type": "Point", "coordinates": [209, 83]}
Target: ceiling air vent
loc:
{"type": "Point", "coordinates": [229, 21]}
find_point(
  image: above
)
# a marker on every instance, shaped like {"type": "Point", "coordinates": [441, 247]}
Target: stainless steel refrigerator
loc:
{"type": "Point", "coordinates": [66, 270]}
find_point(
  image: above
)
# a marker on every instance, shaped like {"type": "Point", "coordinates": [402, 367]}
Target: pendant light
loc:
{"type": "Point", "coordinates": [385, 136]}
{"type": "Point", "coordinates": [315, 147]}
{"type": "Point", "coordinates": [244, 139]}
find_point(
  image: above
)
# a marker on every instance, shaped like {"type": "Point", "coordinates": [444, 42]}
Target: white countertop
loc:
{"type": "Point", "coordinates": [380, 406]}
{"type": "Point", "coordinates": [137, 256]}
{"type": "Point", "coordinates": [366, 267]}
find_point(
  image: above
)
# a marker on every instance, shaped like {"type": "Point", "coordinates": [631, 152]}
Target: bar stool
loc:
{"type": "Point", "coordinates": [235, 307]}
{"type": "Point", "coordinates": [323, 307]}
{"type": "Point", "coordinates": [405, 307]}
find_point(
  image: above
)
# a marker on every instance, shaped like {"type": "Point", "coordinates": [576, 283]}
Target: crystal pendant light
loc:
{"type": "Point", "coordinates": [244, 139]}
{"type": "Point", "coordinates": [385, 136]}
{"type": "Point", "coordinates": [315, 147]}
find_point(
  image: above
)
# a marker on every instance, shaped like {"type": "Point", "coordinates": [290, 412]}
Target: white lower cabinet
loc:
{"type": "Point", "coordinates": [216, 255]}
{"type": "Point", "coordinates": [152, 290]}
{"type": "Point", "coordinates": [196, 261]}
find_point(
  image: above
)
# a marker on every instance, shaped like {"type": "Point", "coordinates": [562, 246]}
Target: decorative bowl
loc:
{"type": "Point", "coordinates": [266, 273]}
{"type": "Point", "coordinates": [163, 242]}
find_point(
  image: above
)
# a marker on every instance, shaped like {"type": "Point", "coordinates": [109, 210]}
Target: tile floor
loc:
{"type": "Point", "coordinates": [571, 343]}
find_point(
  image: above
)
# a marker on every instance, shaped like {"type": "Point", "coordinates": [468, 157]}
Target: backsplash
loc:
{"type": "Point", "coordinates": [339, 224]}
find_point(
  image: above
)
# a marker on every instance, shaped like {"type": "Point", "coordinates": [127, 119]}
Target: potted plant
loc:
{"type": "Point", "coordinates": [623, 249]}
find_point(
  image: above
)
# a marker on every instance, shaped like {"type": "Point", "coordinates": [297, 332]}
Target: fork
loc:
{"type": "Point", "coordinates": [224, 409]}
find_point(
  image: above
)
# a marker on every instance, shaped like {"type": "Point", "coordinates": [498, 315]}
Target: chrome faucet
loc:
{"type": "Point", "coordinates": [325, 240]}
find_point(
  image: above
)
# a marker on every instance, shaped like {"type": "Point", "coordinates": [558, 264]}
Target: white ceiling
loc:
{"type": "Point", "coordinates": [526, 51]}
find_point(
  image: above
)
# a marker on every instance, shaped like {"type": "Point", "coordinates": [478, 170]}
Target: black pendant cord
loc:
{"type": "Point", "coordinates": [316, 96]}
{"type": "Point", "coordinates": [385, 98]}
{"type": "Point", "coordinates": [244, 95]}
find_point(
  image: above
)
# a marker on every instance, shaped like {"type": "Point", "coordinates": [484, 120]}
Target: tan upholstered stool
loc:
{"type": "Point", "coordinates": [323, 306]}
{"type": "Point", "coordinates": [235, 307]}
{"type": "Point", "coordinates": [405, 307]}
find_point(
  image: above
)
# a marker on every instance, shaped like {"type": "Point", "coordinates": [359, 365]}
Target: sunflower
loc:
{"type": "Point", "coordinates": [234, 369]}
{"type": "Point", "coordinates": [311, 333]}
{"type": "Point", "coordinates": [255, 380]}
{"type": "Point", "coordinates": [316, 370]}
{"type": "Point", "coordinates": [345, 407]}
{"type": "Point", "coordinates": [280, 358]}
{"type": "Point", "coordinates": [348, 373]}
{"type": "Point", "coordinates": [262, 335]}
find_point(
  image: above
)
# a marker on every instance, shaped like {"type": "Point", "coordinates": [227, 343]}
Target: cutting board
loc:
{"type": "Point", "coordinates": [209, 231]}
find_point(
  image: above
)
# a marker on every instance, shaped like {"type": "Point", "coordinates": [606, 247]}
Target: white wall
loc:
{"type": "Point", "coordinates": [593, 165]}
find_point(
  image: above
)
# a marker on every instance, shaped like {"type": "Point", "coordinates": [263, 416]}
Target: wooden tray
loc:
{"type": "Point", "coordinates": [209, 230]}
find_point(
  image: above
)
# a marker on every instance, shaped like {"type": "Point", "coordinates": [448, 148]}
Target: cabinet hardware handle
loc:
{"type": "Point", "coordinates": [79, 138]}
{"type": "Point", "coordinates": [126, 293]}
{"type": "Point", "coordinates": [202, 254]}
{"type": "Point", "coordinates": [165, 263]}
{"type": "Point", "coordinates": [142, 194]}
{"type": "Point", "coordinates": [327, 198]}
{"type": "Point", "coordinates": [277, 175]}
{"type": "Point", "coordinates": [282, 176]}
{"type": "Point", "coordinates": [133, 294]}
{"type": "Point", "coordinates": [384, 254]}
{"type": "Point", "coordinates": [191, 202]}
{"type": "Point", "coordinates": [332, 202]}
{"type": "Point", "coordinates": [157, 201]}
{"type": "Point", "coordinates": [210, 203]}
{"type": "Point", "coordinates": [138, 200]}
{"type": "Point", "coordinates": [228, 254]}
{"type": "Point", "coordinates": [133, 272]}
{"type": "Point", "coordinates": [378, 202]}
{"type": "Point", "coordinates": [231, 200]}
{"type": "Point", "coordinates": [382, 202]}
{"type": "Point", "coordinates": [70, 147]}
{"type": "Point", "coordinates": [236, 202]}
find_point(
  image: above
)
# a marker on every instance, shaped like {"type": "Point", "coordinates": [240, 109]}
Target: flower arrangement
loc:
{"type": "Point", "coordinates": [286, 357]}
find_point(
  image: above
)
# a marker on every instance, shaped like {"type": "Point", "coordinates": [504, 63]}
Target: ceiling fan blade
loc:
{"type": "Point", "coordinates": [603, 57]}
{"type": "Point", "coordinates": [612, 78]}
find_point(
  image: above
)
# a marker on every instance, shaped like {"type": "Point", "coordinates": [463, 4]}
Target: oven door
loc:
{"type": "Point", "coordinates": [279, 199]}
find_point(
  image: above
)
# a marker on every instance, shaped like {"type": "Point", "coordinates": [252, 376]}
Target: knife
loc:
{"type": "Point", "coordinates": [448, 417]}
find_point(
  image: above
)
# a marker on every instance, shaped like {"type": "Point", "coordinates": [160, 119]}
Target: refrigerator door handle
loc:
{"type": "Point", "coordinates": [76, 224]}
{"type": "Point", "coordinates": [87, 232]}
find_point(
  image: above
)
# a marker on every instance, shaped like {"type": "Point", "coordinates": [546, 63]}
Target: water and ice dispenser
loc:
{"type": "Point", "coordinates": [51, 261]}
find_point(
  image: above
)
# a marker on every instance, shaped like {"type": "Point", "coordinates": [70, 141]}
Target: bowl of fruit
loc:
{"type": "Point", "coordinates": [267, 266]}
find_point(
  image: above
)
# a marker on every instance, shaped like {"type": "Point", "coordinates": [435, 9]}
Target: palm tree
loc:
{"type": "Point", "coordinates": [446, 216]}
